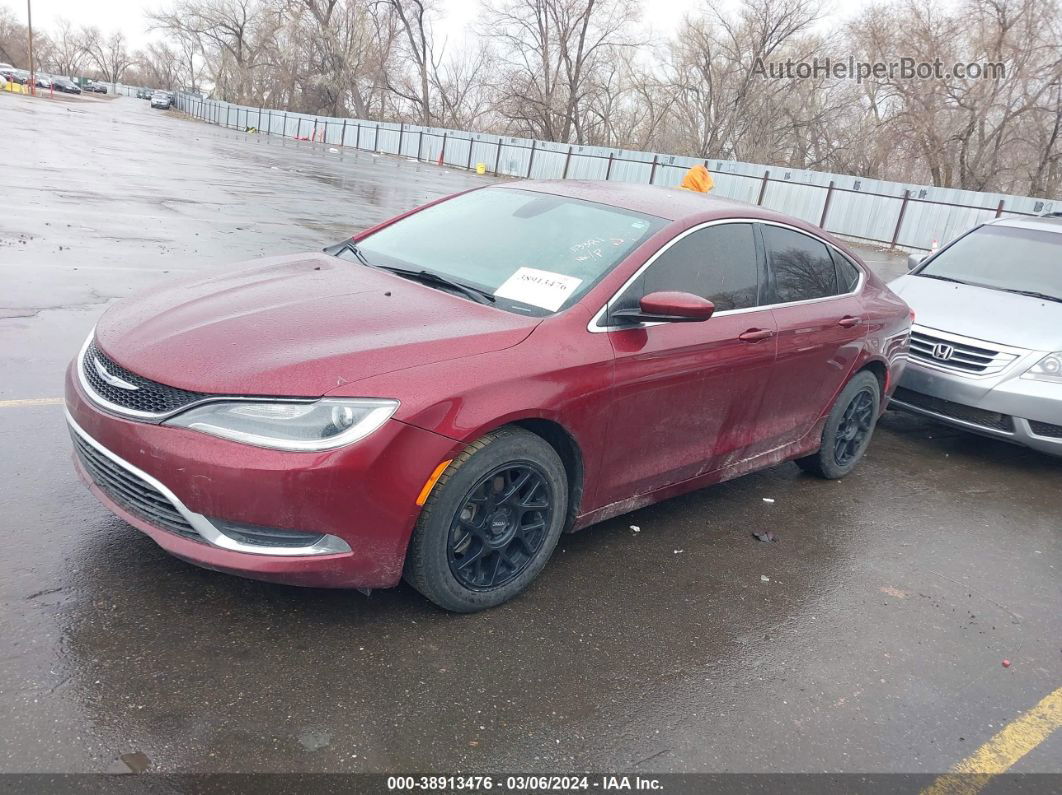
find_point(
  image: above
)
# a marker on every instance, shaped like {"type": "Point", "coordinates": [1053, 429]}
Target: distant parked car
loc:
{"type": "Point", "coordinates": [66, 85]}
{"type": "Point", "coordinates": [20, 76]}
{"type": "Point", "coordinates": [144, 93]}
{"type": "Point", "coordinates": [44, 81]}
{"type": "Point", "coordinates": [160, 99]}
{"type": "Point", "coordinates": [986, 351]}
{"type": "Point", "coordinates": [94, 87]}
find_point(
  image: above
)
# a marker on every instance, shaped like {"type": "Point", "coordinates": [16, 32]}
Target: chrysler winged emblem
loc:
{"type": "Point", "coordinates": [111, 379]}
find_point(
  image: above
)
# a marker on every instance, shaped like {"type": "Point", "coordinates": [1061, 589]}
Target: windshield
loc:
{"type": "Point", "coordinates": [534, 252]}
{"type": "Point", "coordinates": [1003, 258]}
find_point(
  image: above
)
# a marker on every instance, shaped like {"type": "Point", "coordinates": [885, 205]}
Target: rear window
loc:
{"type": "Point", "coordinates": [802, 266]}
{"type": "Point", "coordinates": [847, 272]}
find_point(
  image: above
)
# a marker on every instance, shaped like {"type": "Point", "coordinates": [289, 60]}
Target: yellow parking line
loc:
{"type": "Point", "coordinates": [14, 404]}
{"type": "Point", "coordinates": [996, 756]}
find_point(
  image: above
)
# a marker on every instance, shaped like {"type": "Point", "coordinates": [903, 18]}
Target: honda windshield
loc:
{"type": "Point", "coordinates": [1027, 261]}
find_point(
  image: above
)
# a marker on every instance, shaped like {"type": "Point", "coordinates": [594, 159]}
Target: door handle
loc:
{"type": "Point", "coordinates": [848, 321]}
{"type": "Point", "coordinates": [756, 335]}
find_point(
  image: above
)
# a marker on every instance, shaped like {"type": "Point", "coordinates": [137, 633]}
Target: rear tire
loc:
{"type": "Point", "coordinates": [490, 523]}
{"type": "Point", "coordinates": [848, 430]}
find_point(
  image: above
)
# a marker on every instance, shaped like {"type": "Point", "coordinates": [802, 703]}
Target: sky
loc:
{"type": "Point", "coordinates": [459, 16]}
{"type": "Point", "coordinates": [130, 16]}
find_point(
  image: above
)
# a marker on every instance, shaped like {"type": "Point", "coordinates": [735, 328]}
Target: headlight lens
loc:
{"type": "Point", "coordinates": [321, 425]}
{"type": "Point", "coordinates": [1048, 368]}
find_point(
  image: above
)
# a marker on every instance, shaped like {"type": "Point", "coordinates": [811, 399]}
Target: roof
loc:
{"type": "Point", "coordinates": [668, 203]}
{"type": "Point", "coordinates": [678, 206]}
{"type": "Point", "coordinates": [1044, 223]}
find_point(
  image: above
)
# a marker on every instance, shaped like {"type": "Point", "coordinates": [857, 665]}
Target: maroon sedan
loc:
{"type": "Point", "coordinates": [441, 396]}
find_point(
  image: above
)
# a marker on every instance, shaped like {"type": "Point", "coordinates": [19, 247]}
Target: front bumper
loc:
{"type": "Point", "coordinates": [1008, 407]}
{"type": "Point", "coordinates": [363, 496]}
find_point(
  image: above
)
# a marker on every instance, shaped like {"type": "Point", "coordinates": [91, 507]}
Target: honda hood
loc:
{"type": "Point", "coordinates": [297, 326]}
{"type": "Point", "coordinates": [982, 313]}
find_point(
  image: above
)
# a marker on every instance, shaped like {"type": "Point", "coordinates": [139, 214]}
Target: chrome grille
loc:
{"type": "Point", "coordinates": [131, 492]}
{"type": "Point", "coordinates": [145, 396]}
{"type": "Point", "coordinates": [959, 354]}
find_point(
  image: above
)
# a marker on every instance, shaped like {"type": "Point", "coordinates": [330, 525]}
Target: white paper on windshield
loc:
{"type": "Point", "coordinates": [539, 288]}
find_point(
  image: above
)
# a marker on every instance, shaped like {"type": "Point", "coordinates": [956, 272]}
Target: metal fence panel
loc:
{"type": "Point", "coordinates": [863, 208]}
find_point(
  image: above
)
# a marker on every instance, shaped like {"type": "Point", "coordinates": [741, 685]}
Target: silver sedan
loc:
{"type": "Point", "coordinates": [986, 346]}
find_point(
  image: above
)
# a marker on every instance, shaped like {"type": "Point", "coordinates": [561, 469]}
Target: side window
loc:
{"type": "Point", "coordinates": [718, 263]}
{"type": "Point", "coordinates": [847, 273]}
{"type": "Point", "coordinates": [802, 266]}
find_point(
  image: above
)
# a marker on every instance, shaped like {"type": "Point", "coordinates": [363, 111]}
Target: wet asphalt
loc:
{"type": "Point", "coordinates": [869, 638]}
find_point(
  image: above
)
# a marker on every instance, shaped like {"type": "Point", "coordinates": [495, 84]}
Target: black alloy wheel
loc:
{"type": "Point", "coordinates": [490, 522]}
{"type": "Point", "coordinates": [848, 428]}
{"type": "Point", "coordinates": [500, 527]}
{"type": "Point", "coordinates": [854, 428]}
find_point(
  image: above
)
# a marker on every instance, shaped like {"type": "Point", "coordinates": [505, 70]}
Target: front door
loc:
{"type": "Point", "coordinates": [687, 394]}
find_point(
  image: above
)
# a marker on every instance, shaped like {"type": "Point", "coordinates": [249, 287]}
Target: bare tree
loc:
{"type": "Point", "coordinates": [342, 47]}
{"type": "Point", "coordinates": [240, 36]}
{"type": "Point", "coordinates": [414, 24]}
{"type": "Point", "coordinates": [109, 55]}
{"type": "Point", "coordinates": [462, 98]}
{"type": "Point", "coordinates": [724, 106]}
{"type": "Point", "coordinates": [68, 52]}
{"type": "Point", "coordinates": [552, 52]}
{"type": "Point", "coordinates": [978, 131]}
{"type": "Point", "coordinates": [160, 65]}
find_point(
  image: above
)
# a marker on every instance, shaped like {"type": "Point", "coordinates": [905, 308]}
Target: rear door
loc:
{"type": "Point", "coordinates": [686, 393]}
{"type": "Point", "coordinates": [816, 296]}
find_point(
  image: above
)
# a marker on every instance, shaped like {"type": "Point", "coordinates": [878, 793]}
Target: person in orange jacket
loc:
{"type": "Point", "coordinates": [697, 179]}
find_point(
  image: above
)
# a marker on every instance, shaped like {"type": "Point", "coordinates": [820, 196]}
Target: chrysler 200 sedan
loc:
{"type": "Point", "coordinates": [986, 354]}
{"type": "Point", "coordinates": [442, 395]}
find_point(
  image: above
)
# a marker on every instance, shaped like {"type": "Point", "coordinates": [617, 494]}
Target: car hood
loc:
{"type": "Point", "coordinates": [983, 313]}
{"type": "Point", "coordinates": [297, 326]}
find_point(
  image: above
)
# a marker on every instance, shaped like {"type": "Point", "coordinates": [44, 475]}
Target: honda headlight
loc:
{"type": "Point", "coordinates": [289, 425]}
{"type": "Point", "coordinates": [1048, 368]}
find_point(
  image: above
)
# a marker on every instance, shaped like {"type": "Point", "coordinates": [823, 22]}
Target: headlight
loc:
{"type": "Point", "coordinates": [321, 425]}
{"type": "Point", "coordinates": [1048, 368]}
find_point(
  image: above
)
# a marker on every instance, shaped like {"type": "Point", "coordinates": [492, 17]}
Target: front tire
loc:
{"type": "Point", "coordinates": [491, 522]}
{"type": "Point", "coordinates": [848, 429]}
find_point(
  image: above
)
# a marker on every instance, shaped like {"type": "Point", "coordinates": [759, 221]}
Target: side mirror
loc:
{"type": "Point", "coordinates": [668, 307]}
{"type": "Point", "coordinates": [914, 260]}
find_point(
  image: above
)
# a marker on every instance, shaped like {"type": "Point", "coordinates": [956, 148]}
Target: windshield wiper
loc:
{"type": "Point", "coordinates": [1033, 294]}
{"type": "Point", "coordinates": [942, 278]}
{"type": "Point", "coordinates": [348, 245]}
{"type": "Point", "coordinates": [430, 277]}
